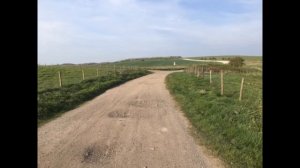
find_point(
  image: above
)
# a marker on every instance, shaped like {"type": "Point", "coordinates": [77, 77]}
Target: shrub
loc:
{"type": "Point", "coordinates": [236, 62]}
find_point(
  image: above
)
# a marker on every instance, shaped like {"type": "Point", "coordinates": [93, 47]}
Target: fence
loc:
{"type": "Point", "coordinates": [232, 81]}
{"type": "Point", "coordinates": [59, 76]}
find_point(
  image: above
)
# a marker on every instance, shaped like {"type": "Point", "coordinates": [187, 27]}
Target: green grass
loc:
{"type": "Point", "coordinates": [249, 58]}
{"type": "Point", "coordinates": [53, 102]}
{"type": "Point", "coordinates": [156, 62]}
{"type": "Point", "coordinates": [254, 62]}
{"type": "Point", "coordinates": [232, 129]}
{"type": "Point", "coordinates": [71, 74]}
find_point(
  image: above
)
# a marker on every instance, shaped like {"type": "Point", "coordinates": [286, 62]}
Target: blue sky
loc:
{"type": "Point", "coordinates": [81, 31]}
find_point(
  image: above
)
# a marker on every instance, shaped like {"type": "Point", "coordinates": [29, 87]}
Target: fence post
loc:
{"type": "Point", "coordinates": [59, 79]}
{"type": "Point", "coordinates": [210, 81]}
{"type": "Point", "coordinates": [202, 72]}
{"type": "Point", "coordinates": [241, 90]}
{"type": "Point", "coordinates": [222, 83]}
{"type": "Point", "coordinates": [82, 73]}
{"type": "Point", "coordinates": [97, 71]}
{"type": "Point", "coordinates": [193, 69]}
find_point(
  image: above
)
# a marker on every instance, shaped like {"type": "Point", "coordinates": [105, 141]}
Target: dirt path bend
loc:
{"type": "Point", "coordinates": [223, 62]}
{"type": "Point", "coordinates": [135, 125]}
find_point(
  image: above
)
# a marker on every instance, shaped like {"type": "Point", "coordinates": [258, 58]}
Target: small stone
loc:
{"type": "Point", "coordinates": [164, 129]}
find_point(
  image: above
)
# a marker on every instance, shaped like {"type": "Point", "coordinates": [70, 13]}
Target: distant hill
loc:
{"type": "Point", "coordinates": [148, 58]}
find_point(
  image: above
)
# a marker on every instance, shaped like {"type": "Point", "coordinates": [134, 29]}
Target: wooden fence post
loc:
{"type": "Point", "coordinates": [193, 69]}
{"type": "Point", "coordinates": [202, 72]}
{"type": "Point", "coordinates": [97, 71]}
{"type": "Point", "coordinates": [222, 83]}
{"type": "Point", "coordinates": [241, 90]}
{"type": "Point", "coordinates": [210, 81]}
{"type": "Point", "coordinates": [82, 71]}
{"type": "Point", "coordinates": [59, 79]}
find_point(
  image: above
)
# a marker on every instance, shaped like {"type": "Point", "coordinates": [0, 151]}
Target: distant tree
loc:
{"type": "Point", "coordinates": [236, 62]}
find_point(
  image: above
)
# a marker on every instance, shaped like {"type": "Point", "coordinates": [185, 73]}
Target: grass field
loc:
{"type": "Point", "coordinates": [72, 74]}
{"type": "Point", "coordinates": [232, 129]}
{"type": "Point", "coordinates": [246, 58]}
{"type": "Point", "coordinates": [250, 61]}
{"type": "Point", "coordinates": [53, 102]}
{"type": "Point", "coordinates": [156, 62]}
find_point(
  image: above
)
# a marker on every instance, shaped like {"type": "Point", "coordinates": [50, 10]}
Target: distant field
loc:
{"type": "Point", "coordinates": [71, 74]}
{"type": "Point", "coordinates": [256, 58]}
{"type": "Point", "coordinates": [167, 63]}
{"type": "Point", "coordinates": [157, 62]}
{"type": "Point", "coordinates": [250, 61]}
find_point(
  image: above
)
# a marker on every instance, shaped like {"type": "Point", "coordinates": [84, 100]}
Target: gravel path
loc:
{"type": "Point", "coordinates": [134, 125]}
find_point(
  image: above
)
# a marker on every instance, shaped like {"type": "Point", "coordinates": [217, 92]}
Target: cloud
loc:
{"type": "Point", "coordinates": [100, 30]}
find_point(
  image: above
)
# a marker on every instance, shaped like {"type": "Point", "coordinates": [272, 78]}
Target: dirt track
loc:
{"type": "Point", "coordinates": [135, 125]}
{"type": "Point", "coordinates": [223, 62]}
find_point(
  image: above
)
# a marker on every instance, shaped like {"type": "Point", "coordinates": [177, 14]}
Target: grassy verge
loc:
{"type": "Point", "coordinates": [232, 129]}
{"type": "Point", "coordinates": [53, 102]}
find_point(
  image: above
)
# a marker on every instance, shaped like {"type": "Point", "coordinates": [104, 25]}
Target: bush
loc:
{"type": "Point", "coordinates": [236, 62]}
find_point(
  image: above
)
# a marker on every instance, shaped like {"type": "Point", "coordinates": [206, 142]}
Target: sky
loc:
{"type": "Point", "coordinates": [84, 31]}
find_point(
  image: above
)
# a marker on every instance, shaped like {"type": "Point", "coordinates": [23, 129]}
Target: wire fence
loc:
{"type": "Point", "coordinates": [58, 76]}
{"type": "Point", "coordinates": [239, 83]}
